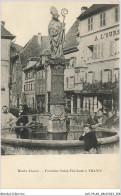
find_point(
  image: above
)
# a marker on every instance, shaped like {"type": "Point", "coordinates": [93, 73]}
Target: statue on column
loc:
{"type": "Point", "coordinates": [56, 31]}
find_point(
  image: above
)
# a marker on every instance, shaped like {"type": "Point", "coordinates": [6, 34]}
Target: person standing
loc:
{"type": "Point", "coordinates": [8, 120]}
{"type": "Point", "coordinates": [22, 121]}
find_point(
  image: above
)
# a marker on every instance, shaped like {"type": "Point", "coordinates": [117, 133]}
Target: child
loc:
{"type": "Point", "coordinates": [90, 140]}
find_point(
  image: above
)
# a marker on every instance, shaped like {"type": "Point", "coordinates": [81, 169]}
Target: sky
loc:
{"type": "Point", "coordinates": [27, 18]}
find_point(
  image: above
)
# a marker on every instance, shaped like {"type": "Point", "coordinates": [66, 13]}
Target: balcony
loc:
{"type": "Point", "coordinates": [99, 87]}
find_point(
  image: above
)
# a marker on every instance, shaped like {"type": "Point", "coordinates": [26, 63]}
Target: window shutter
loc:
{"type": "Point", "coordinates": [101, 76]}
{"type": "Point", "coordinates": [95, 52]}
{"type": "Point", "coordinates": [100, 19]}
{"type": "Point", "coordinates": [85, 77]}
{"type": "Point", "coordinates": [67, 82]}
{"type": "Point", "coordinates": [88, 24]}
{"type": "Point", "coordinates": [111, 75]}
{"type": "Point", "coordinates": [93, 79]}
{"type": "Point", "coordinates": [104, 18]}
{"type": "Point", "coordinates": [91, 23]}
{"type": "Point", "coordinates": [102, 48]}
{"type": "Point", "coordinates": [98, 51]}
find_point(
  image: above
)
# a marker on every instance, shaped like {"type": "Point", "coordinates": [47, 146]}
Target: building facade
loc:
{"type": "Point", "coordinates": [33, 76]}
{"type": "Point", "coordinates": [6, 38]}
{"type": "Point", "coordinates": [15, 75]}
{"type": "Point", "coordinates": [74, 75]}
{"type": "Point", "coordinates": [40, 88]}
{"type": "Point", "coordinates": [99, 33]}
{"type": "Point", "coordinates": [28, 90]}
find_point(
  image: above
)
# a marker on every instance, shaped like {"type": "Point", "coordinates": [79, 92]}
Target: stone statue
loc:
{"type": "Point", "coordinates": [56, 31]}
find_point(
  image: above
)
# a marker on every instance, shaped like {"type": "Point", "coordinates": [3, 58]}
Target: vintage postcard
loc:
{"type": "Point", "coordinates": [60, 94]}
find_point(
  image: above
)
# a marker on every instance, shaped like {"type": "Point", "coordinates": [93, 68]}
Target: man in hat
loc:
{"type": "Point", "coordinates": [90, 140]}
{"type": "Point", "coordinates": [56, 31]}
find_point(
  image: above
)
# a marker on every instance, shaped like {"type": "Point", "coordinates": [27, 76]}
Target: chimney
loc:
{"type": "Point", "coordinates": [83, 9]}
{"type": "Point", "coordinates": [39, 38]}
{"type": "Point", "coordinates": [3, 23]}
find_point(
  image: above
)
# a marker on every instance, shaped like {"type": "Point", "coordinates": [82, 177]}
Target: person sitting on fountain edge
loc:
{"type": "Point", "coordinates": [92, 119]}
{"type": "Point", "coordinates": [90, 140]}
{"type": "Point", "coordinates": [110, 119]}
{"type": "Point", "coordinates": [101, 118]}
{"type": "Point", "coordinates": [116, 120]}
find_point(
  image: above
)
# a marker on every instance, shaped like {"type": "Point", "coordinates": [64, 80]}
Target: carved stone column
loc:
{"type": "Point", "coordinates": [57, 128]}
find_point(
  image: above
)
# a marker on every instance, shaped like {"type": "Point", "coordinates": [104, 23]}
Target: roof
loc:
{"type": "Point", "coordinates": [71, 37]}
{"type": "Point", "coordinates": [15, 49]}
{"type": "Point", "coordinates": [95, 9]}
{"type": "Point", "coordinates": [33, 48]}
{"type": "Point", "coordinates": [5, 34]}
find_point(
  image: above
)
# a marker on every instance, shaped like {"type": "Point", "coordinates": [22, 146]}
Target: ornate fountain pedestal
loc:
{"type": "Point", "coordinates": [57, 123]}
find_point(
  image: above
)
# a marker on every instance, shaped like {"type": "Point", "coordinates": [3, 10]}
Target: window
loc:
{"type": "Point", "coordinates": [90, 77]}
{"type": "Point", "coordinates": [70, 82]}
{"type": "Point", "coordinates": [30, 74]}
{"type": "Point", "coordinates": [33, 86]}
{"type": "Point", "coordinates": [117, 45]}
{"type": "Point", "coordinates": [89, 52]}
{"type": "Point", "coordinates": [102, 19]}
{"type": "Point", "coordinates": [82, 76]}
{"type": "Point", "coordinates": [33, 74]}
{"type": "Point", "coordinates": [38, 74]}
{"type": "Point", "coordinates": [72, 62]}
{"type": "Point", "coordinates": [106, 75]}
{"type": "Point", "coordinates": [26, 76]}
{"type": "Point", "coordinates": [114, 47]}
{"type": "Point", "coordinates": [29, 87]}
{"type": "Point", "coordinates": [43, 75]}
{"type": "Point", "coordinates": [24, 87]}
{"type": "Point", "coordinates": [116, 14]}
{"type": "Point", "coordinates": [98, 51]}
{"type": "Point", "coordinates": [77, 78]}
{"type": "Point", "coordinates": [90, 24]}
{"type": "Point", "coordinates": [116, 75]}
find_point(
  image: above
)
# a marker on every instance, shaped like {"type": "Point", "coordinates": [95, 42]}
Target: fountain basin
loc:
{"type": "Point", "coordinates": [108, 143]}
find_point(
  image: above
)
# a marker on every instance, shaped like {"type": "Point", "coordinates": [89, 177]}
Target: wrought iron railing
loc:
{"type": "Point", "coordinates": [99, 86]}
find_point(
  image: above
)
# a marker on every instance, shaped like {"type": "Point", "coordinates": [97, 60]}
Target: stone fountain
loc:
{"type": "Point", "coordinates": [57, 63]}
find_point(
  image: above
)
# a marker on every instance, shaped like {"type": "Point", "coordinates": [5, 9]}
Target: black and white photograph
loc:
{"type": "Point", "coordinates": [60, 97]}
{"type": "Point", "coordinates": [59, 78]}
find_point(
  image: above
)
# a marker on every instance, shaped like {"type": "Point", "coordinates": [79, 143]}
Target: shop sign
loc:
{"type": "Point", "coordinates": [108, 34]}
